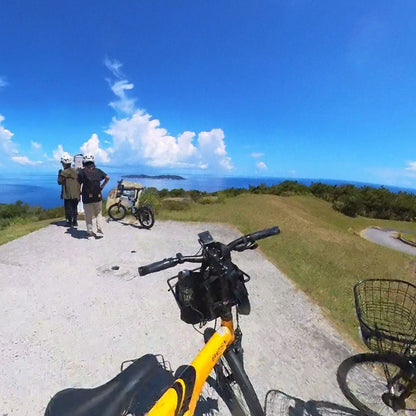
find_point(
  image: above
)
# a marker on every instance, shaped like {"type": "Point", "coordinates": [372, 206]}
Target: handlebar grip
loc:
{"type": "Point", "coordinates": [258, 235]}
{"type": "Point", "coordinates": [158, 266]}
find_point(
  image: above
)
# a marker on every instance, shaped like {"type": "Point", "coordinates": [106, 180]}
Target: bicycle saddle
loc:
{"type": "Point", "coordinates": [134, 390]}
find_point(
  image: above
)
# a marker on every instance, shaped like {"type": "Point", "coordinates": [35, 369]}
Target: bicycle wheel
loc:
{"type": "Point", "coordinates": [145, 217]}
{"type": "Point", "coordinates": [377, 384]}
{"type": "Point", "coordinates": [236, 388]}
{"type": "Point", "coordinates": [117, 212]}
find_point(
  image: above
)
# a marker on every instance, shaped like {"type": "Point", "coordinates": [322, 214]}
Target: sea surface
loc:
{"type": "Point", "coordinates": [43, 189]}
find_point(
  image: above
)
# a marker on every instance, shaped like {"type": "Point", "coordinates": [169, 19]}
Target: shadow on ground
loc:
{"type": "Point", "coordinates": [60, 223]}
{"type": "Point", "coordinates": [278, 403]}
{"type": "Point", "coordinates": [72, 231]}
{"type": "Point", "coordinates": [129, 224]}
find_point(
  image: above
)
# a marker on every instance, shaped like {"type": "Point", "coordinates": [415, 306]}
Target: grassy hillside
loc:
{"type": "Point", "coordinates": [17, 230]}
{"type": "Point", "coordinates": [319, 249]}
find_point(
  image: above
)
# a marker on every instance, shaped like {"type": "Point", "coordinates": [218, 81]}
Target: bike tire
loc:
{"type": "Point", "coordinates": [117, 212]}
{"type": "Point", "coordinates": [145, 217]}
{"type": "Point", "coordinates": [364, 380]}
{"type": "Point", "coordinates": [237, 391]}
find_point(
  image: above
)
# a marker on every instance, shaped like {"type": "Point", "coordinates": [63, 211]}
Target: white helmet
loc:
{"type": "Point", "coordinates": [89, 157]}
{"type": "Point", "coordinates": [66, 159]}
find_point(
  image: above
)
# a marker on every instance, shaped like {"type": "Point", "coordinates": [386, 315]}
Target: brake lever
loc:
{"type": "Point", "coordinates": [245, 246]}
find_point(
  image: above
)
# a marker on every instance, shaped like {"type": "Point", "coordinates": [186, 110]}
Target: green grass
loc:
{"type": "Point", "coordinates": [319, 249]}
{"type": "Point", "coordinates": [411, 238]}
{"type": "Point", "coordinates": [17, 230]}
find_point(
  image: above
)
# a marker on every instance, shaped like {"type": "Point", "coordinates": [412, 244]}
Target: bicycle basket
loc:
{"type": "Point", "coordinates": [126, 191]}
{"type": "Point", "coordinates": [120, 189]}
{"type": "Point", "coordinates": [386, 311]}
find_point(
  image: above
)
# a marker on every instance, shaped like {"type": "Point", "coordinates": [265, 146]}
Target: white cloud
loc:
{"type": "Point", "coordinates": [92, 145]}
{"type": "Point", "coordinates": [6, 143]}
{"type": "Point", "coordinates": [9, 151]}
{"type": "Point", "coordinates": [24, 160]}
{"type": "Point", "coordinates": [411, 166]}
{"type": "Point", "coordinates": [115, 67]}
{"type": "Point", "coordinates": [261, 166]}
{"type": "Point", "coordinates": [35, 145]}
{"type": "Point", "coordinates": [139, 138]}
{"type": "Point", "coordinates": [3, 82]}
{"type": "Point", "coordinates": [212, 149]}
{"type": "Point", "coordinates": [124, 104]}
{"type": "Point", "coordinates": [256, 155]}
{"type": "Point", "coordinates": [58, 152]}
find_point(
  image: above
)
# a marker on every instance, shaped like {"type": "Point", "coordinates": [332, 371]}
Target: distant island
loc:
{"type": "Point", "coordinates": [176, 177]}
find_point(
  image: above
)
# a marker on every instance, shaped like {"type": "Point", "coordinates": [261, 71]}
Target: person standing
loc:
{"type": "Point", "coordinates": [67, 178]}
{"type": "Point", "coordinates": [92, 181]}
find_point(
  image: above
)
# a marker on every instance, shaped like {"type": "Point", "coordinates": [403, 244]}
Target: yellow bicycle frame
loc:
{"type": "Point", "coordinates": [181, 398]}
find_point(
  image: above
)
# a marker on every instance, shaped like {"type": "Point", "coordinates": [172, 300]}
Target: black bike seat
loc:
{"type": "Point", "coordinates": [134, 390]}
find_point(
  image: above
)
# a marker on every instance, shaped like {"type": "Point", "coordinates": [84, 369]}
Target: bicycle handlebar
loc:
{"type": "Point", "coordinates": [268, 232]}
{"type": "Point", "coordinates": [157, 266]}
{"type": "Point", "coordinates": [251, 238]}
{"type": "Point", "coordinates": [243, 242]}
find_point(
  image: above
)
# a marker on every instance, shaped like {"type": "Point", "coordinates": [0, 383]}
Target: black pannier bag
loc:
{"type": "Point", "coordinates": [202, 298]}
{"type": "Point", "coordinates": [191, 296]}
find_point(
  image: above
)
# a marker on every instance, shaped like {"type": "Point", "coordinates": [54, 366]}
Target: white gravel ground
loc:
{"type": "Point", "coordinates": [69, 320]}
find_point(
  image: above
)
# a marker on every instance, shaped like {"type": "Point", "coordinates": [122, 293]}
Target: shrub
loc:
{"type": "Point", "coordinates": [231, 192]}
{"type": "Point", "coordinates": [349, 205]}
{"type": "Point", "coordinates": [176, 204]}
{"type": "Point", "coordinates": [177, 193]}
{"type": "Point", "coordinates": [150, 197]}
{"type": "Point", "coordinates": [196, 195]}
{"type": "Point", "coordinates": [20, 212]}
{"type": "Point", "coordinates": [209, 199]}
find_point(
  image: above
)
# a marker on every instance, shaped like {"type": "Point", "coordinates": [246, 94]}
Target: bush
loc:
{"type": "Point", "coordinates": [285, 188]}
{"type": "Point", "coordinates": [176, 204]}
{"type": "Point", "coordinates": [19, 209]}
{"type": "Point", "coordinates": [20, 212]}
{"type": "Point", "coordinates": [349, 205]}
{"type": "Point", "coordinates": [231, 192]}
{"type": "Point", "coordinates": [150, 197]}
{"type": "Point", "coordinates": [209, 199]}
{"type": "Point", "coordinates": [196, 195]}
{"type": "Point", "coordinates": [177, 193]}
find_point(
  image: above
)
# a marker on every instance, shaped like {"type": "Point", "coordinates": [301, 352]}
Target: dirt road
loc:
{"type": "Point", "coordinates": [69, 317]}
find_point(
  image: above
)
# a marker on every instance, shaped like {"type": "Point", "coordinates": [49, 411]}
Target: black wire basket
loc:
{"type": "Point", "coordinates": [386, 311]}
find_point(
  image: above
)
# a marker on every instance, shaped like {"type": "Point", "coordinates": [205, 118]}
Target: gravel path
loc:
{"type": "Point", "coordinates": [69, 319]}
{"type": "Point", "coordinates": [386, 238]}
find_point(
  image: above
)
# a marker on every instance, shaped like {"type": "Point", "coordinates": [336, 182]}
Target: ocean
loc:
{"type": "Point", "coordinates": [43, 189]}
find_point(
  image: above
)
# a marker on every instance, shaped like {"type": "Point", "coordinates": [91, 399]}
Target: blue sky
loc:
{"type": "Point", "coordinates": [296, 88]}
